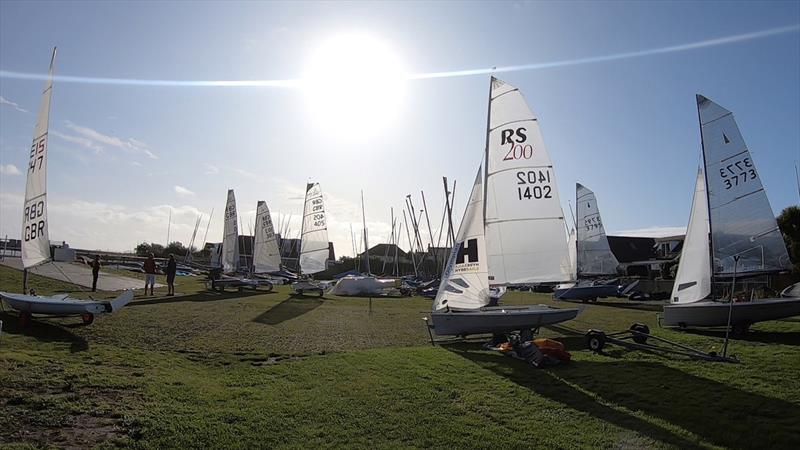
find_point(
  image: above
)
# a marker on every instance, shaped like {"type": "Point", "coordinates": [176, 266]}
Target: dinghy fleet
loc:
{"type": "Point", "coordinates": [513, 233]}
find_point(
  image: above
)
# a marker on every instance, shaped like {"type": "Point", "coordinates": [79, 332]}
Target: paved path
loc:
{"type": "Point", "coordinates": [81, 274]}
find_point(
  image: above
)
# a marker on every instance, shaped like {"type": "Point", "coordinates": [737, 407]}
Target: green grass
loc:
{"type": "Point", "coordinates": [248, 369]}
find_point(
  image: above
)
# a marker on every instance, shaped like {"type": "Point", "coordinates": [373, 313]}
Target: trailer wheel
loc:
{"type": "Point", "coordinates": [299, 292]}
{"type": "Point", "coordinates": [87, 318]}
{"type": "Point", "coordinates": [321, 293]}
{"type": "Point", "coordinates": [24, 319]}
{"type": "Point", "coordinates": [269, 287]}
{"type": "Point", "coordinates": [596, 340]}
{"type": "Point", "coordinates": [641, 328]}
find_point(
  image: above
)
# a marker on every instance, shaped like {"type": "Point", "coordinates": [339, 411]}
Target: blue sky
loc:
{"type": "Point", "coordinates": [625, 128]}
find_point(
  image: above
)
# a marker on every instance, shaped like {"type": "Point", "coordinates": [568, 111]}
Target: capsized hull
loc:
{"type": "Point", "coordinates": [62, 305]}
{"type": "Point", "coordinates": [586, 292]}
{"type": "Point", "coordinates": [498, 319]}
{"type": "Point", "coordinates": [715, 314]}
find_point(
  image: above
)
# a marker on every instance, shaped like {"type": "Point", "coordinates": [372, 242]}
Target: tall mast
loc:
{"type": "Point", "coordinates": [486, 151]}
{"type": "Point", "coordinates": [366, 243]}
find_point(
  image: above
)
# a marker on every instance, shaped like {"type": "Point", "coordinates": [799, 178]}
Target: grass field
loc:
{"type": "Point", "coordinates": [209, 370]}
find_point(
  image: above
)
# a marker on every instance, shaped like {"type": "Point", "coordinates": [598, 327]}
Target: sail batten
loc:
{"type": "Point", "coordinates": [35, 228]}
{"type": "Point", "coordinates": [314, 250]}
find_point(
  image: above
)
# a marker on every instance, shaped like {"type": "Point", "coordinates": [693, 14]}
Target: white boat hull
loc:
{"type": "Point", "coordinates": [498, 319]}
{"type": "Point", "coordinates": [715, 314]}
{"type": "Point", "coordinates": [355, 286]}
{"type": "Point", "coordinates": [62, 305]}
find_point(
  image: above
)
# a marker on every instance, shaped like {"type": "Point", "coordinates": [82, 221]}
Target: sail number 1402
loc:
{"type": "Point", "coordinates": [534, 184]}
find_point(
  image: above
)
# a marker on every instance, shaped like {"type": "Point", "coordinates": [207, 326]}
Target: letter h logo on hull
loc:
{"type": "Point", "coordinates": [469, 251]}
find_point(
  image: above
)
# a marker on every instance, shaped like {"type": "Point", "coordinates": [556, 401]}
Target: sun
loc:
{"type": "Point", "coordinates": [355, 85]}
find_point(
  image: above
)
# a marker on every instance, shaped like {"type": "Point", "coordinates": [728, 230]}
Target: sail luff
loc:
{"type": "Point", "coordinates": [35, 229]}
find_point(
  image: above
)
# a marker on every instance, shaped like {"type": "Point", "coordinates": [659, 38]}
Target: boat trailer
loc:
{"type": "Point", "coordinates": [637, 337]}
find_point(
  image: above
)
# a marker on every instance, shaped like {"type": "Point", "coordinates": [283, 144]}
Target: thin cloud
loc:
{"type": "Point", "coordinates": [9, 169]}
{"type": "Point", "coordinates": [99, 142]}
{"type": "Point", "coordinates": [180, 190]}
{"type": "Point", "coordinates": [5, 101]}
{"type": "Point", "coordinates": [211, 169]}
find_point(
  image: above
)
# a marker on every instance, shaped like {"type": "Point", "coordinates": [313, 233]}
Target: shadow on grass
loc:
{"type": "Point", "coordinates": [43, 331]}
{"type": "Point", "coordinates": [288, 309]}
{"type": "Point", "coordinates": [614, 391]}
{"type": "Point", "coordinates": [207, 296]}
{"type": "Point", "coordinates": [766, 337]}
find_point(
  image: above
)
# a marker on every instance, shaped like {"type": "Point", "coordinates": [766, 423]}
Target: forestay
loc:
{"type": "Point", "coordinates": [314, 235]}
{"type": "Point", "coordinates": [230, 241]}
{"type": "Point", "coordinates": [742, 222]}
{"type": "Point", "coordinates": [525, 230]}
{"type": "Point", "coordinates": [693, 280]}
{"type": "Point", "coordinates": [593, 252]}
{"type": "Point", "coordinates": [465, 283]}
{"type": "Point", "coordinates": [266, 255]}
{"type": "Point", "coordinates": [35, 235]}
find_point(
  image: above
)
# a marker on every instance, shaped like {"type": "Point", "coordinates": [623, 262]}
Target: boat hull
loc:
{"type": "Point", "coordinates": [715, 314]}
{"type": "Point", "coordinates": [498, 319]}
{"type": "Point", "coordinates": [586, 292]}
{"type": "Point", "coordinates": [62, 305]}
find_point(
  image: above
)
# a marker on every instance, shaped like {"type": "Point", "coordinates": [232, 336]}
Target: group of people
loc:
{"type": "Point", "coordinates": [150, 271]}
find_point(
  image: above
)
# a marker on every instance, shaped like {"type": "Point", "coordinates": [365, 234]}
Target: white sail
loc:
{"type": "Point", "coordinates": [465, 281]}
{"type": "Point", "coordinates": [693, 280]}
{"type": "Point", "coordinates": [266, 255]}
{"type": "Point", "coordinates": [593, 252]}
{"type": "Point", "coordinates": [525, 225]}
{"type": "Point", "coordinates": [572, 246]}
{"type": "Point", "coordinates": [314, 235]}
{"type": "Point", "coordinates": [230, 241]}
{"type": "Point", "coordinates": [743, 225]}
{"type": "Point", "coordinates": [35, 235]}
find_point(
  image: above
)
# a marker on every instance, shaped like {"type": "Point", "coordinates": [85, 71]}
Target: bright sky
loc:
{"type": "Point", "coordinates": [613, 85]}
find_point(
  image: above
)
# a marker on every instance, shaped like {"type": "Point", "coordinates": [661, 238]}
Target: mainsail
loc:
{"type": "Point", "coordinates": [266, 255]}
{"type": "Point", "coordinates": [693, 280]}
{"type": "Point", "coordinates": [465, 281]}
{"type": "Point", "coordinates": [314, 235]}
{"type": "Point", "coordinates": [35, 236]}
{"type": "Point", "coordinates": [230, 241]}
{"type": "Point", "coordinates": [743, 225]}
{"type": "Point", "coordinates": [593, 252]}
{"type": "Point", "coordinates": [525, 225]}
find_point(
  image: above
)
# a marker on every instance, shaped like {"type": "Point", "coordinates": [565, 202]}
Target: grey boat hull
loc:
{"type": "Point", "coordinates": [498, 319]}
{"type": "Point", "coordinates": [715, 314]}
{"type": "Point", "coordinates": [586, 292]}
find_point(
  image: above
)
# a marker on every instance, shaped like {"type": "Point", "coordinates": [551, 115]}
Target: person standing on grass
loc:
{"type": "Point", "coordinates": [150, 273]}
{"type": "Point", "coordinates": [172, 267]}
{"type": "Point", "coordinates": [95, 272]}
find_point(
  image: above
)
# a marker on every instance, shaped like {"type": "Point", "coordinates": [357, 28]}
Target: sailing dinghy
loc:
{"type": "Point", "coordinates": [229, 277]}
{"type": "Point", "coordinates": [512, 231]}
{"type": "Point", "coordinates": [594, 261]}
{"type": "Point", "coordinates": [314, 250]}
{"type": "Point", "coordinates": [730, 202]}
{"type": "Point", "coordinates": [36, 238]}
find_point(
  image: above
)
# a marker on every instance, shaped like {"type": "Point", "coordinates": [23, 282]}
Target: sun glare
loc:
{"type": "Point", "coordinates": [354, 85]}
